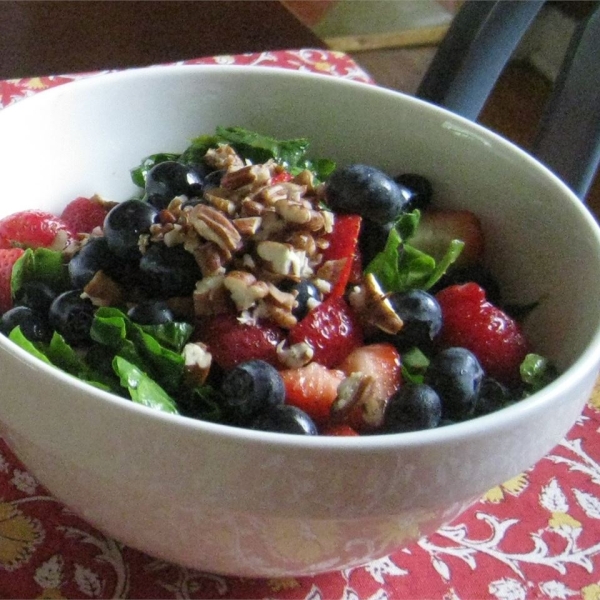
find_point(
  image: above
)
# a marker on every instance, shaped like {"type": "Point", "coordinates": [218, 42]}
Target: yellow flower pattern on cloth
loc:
{"type": "Point", "coordinates": [19, 536]}
{"type": "Point", "coordinates": [515, 486]}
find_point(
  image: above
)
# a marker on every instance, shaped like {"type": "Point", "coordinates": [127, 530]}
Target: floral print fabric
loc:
{"type": "Point", "coordinates": [535, 536]}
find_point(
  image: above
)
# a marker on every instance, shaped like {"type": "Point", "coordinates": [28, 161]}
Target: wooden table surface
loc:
{"type": "Point", "coordinates": [43, 38]}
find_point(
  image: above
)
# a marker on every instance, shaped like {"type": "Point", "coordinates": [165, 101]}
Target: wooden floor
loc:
{"type": "Point", "coordinates": [513, 109]}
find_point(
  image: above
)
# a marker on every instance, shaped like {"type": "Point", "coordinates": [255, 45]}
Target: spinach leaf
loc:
{"type": "Point", "coordinates": [414, 365]}
{"type": "Point", "coordinates": [16, 335]}
{"type": "Point", "coordinates": [41, 264]}
{"type": "Point", "coordinates": [537, 372]}
{"type": "Point", "coordinates": [115, 330]}
{"type": "Point", "coordinates": [400, 266]}
{"type": "Point", "coordinates": [174, 334]}
{"type": "Point", "coordinates": [142, 388]}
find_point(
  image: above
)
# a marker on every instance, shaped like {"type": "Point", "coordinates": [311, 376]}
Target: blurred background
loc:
{"type": "Point", "coordinates": [395, 40]}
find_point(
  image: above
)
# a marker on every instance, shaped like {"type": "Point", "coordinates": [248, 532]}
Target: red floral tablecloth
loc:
{"type": "Point", "coordinates": [535, 536]}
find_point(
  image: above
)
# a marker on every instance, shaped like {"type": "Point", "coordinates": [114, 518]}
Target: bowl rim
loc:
{"type": "Point", "coordinates": [584, 365]}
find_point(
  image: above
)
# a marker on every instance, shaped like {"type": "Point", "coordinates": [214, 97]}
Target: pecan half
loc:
{"type": "Point", "coordinates": [213, 225]}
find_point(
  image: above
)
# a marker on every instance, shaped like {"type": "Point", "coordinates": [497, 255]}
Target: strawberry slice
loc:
{"type": "Point", "coordinates": [340, 430]}
{"type": "Point", "coordinates": [8, 257]}
{"type": "Point", "coordinates": [343, 245]}
{"type": "Point", "coordinates": [281, 177]}
{"type": "Point", "coordinates": [34, 229]}
{"type": "Point", "coordinates": [470, 321]}
{"type": "Point", "coordinates": [313, 389]}
{"type": "Point", "coordinates": [82, 215]}
{"type": "Point", "coordinates": [437, 228]}
{"type": "Point", "coordinates": [231, 342]}
{"type": "Point", "coordinates": [331, 329]}
{"type": "Point", "coordinates": [382, 364]}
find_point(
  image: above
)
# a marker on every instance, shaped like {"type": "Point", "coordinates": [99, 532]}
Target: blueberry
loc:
{"type": "Point", "coordinates": [36, 295]}
{"type": "Point", "coordinates": [250, 388]}
{"type": "Point", "coordinates": [213, 179]}
{"type": "Point", "coordinates": [151, 313]}
{"type": "Point", "coordinates": [72, 316]}
{"type": "Point", "coordinates": [94, 256]}
{"type": "Point", "coordinates": [412, 408]}
{"type": "Point", "coordinates": [125, 223]}
{"type": "Point", "coordinates": [456, 375]}
{"type": "Point", "coordinates": [169, 179]}
{"type": "Point", "coordinates": [285, 418]}
{"type": "Point", "coordinates": [366, 191]}
{"type": "Point", "coordinates": [421, 315]}
{"type": "Point", "coordinates": [169, 271]}
{"type": "Point", "coordinates": [307, 294]}
{"type": "Point", "coordinates": [492, 397]}
{"type": "Point", "coordinates": [33, 325]}
{"type": "Point", "coordinates": [419, 187]}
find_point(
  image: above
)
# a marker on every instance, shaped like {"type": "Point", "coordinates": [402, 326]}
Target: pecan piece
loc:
{"type": "Point", "coordinates": [245, 290]}
{"type": "Point", "coordinates": [373, 306]}
{"type": "Point", "coordinates": [213, 225]}
{"type": "Point", "coordinates": [197, 360]}
{"type": "Point", "coordinates": [283, 259]}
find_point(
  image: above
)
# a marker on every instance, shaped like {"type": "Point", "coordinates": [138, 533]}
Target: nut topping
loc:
{"type": "Point", "coordinates": [214, 226]}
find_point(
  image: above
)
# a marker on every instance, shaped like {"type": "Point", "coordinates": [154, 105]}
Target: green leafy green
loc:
{"type": "Point", "coordinates": [41, 264]}
{"type": "Point", "coordinates": [537, 372]}
{"type": "Point", "coordinates": [16, 335]}
{"type": "Point", "coordinates": [174, 334]}
{"type": "Point", "coordinates": [414, 365]}
{"type": "Point", "coordinates": [400, 266]}
{"type": "Point", "coordinates": [254, 147]}
{"type": "Point", "coordinates": [143, 389]}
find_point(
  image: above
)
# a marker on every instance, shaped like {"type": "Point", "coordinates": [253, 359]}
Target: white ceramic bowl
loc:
{"type": "Point", "coordinates": [249, 503]}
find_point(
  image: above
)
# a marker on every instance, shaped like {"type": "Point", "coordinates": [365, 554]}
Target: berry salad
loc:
{"type": "Point", "coordinates": [251, 285]}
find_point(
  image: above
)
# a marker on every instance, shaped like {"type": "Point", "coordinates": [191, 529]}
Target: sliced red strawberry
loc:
{"type": "Point", "coordinates": [470, 321]}
{"type": "Point", "coordinates": [231, 342]}
{"type": "Point", "coordinates": [82, 215]}
{"type": "Point", "coordinates": [8, 257]}
{"type": "Point", "coordinates": [281, 177]}
{"type": "Point", "coordinates": [313, 389]}
{"type": "Point", "coordinates": [331, 329]}
{"type": "Point", "coordinates": [343, 245]}
{"type": "Point", "coordinates": [340, 430]}
{"type": "Point", "coordinates": [382, 364]}
{"type": "Point", "coordinates": [34, 229]}
{"type": "Point", "coordinates": [438, 228]}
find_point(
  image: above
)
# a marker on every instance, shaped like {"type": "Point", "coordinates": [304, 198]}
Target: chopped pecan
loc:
{"type": "Point", "coordinates": [331, 270]}
{"type": "Point", "coordinates": [223, 157]}
{"type": "Point", "coordinates": [211, 258]}
{"type": "Point", "coordinates": [197, 361]}
{"type": "Point", "coordinates": [295, 356]}
{"type": "Point", "coordinates": [283, 259]}
{"type": "Point", "coordinates": [247, 225]}
{"type": "Point", "coordinates": [251, 208]}
{"type": "Point", "coordinates": [293, 212]}
{"type": "Point", "coordinates": [302, 240]}
{"type": "Point", "coordinates": [306, 179]}
{"type": "Point", "coordinates": [104, 291]}
{"type": "Point", "coordinates": [245, 176]}
{"type": "Point", "coordinates": [373, 306]}
{"type": "Point", "coordinates": [213, 225]}
{"type": "Point", "coordinates": [357, 392]}
{"type": "Point", "coordinates": [220, 202]}
{"type": "Point", "coordinates": [245, 290]}
{"type": "Point", "coordinates": [211, 297]}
